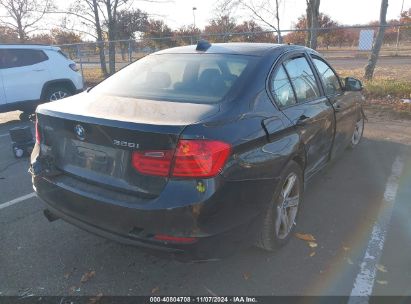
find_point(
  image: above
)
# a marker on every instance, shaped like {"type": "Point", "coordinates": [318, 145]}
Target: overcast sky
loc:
{"type": "Point", "coordinates": [180, 12]}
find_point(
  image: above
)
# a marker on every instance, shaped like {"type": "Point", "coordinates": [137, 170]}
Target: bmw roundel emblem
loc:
{"type": "Point", "coordinates": [80, 132]}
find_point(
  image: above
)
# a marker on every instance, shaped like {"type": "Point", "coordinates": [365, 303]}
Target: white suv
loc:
{"type": "Point", "coordinates": [32, 74]}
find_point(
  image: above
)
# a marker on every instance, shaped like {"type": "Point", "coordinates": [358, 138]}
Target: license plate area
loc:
{"type": "Point", "coordinates": [94, 158]}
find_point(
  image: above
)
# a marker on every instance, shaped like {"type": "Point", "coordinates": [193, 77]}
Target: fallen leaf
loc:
{"type": "Point", "coordinates": [246, 275]}
{"type": "Point", "coordinates": [381, 268]}
{"type": "Point", "coordinates": [312, 254]}
{"type": "Point", "coordinates": [87, 276]}
{"type": "Point", "coordinates": [95, 299]}
{"type": "Point", "coordinates": [349, 261]}
{"type": "Point", "coordinates": [305, 237]}
{"type": "Point", "coordinates": [312, 244]}
{"type": "Point", "coordinates": [382, 282]}
{"type": "Point", "coordinates": [72, 289]}
{"type": "Point", "coordinates": [155, 289]}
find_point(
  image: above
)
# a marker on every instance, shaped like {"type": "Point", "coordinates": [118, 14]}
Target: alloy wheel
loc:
{"type": "Point", "coordinates": [287, 207]}
{"type": "Point", "coordinates": [356, 136]}
{"type": "Point", "coordinates": [58, 95]}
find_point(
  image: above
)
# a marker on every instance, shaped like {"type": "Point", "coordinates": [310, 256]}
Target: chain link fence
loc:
{"type": "Point", "coordinates": [347, 48]}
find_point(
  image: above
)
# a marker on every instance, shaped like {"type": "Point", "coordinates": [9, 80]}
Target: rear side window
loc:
{"type": "Point", "coordinates": [302, 78]}
{"type": "Point", "coordinates": [13, 58]}
{"type": "Point", "coordinates": [329, 78]}
{"type": "Point", "coordinates": [281, 89]}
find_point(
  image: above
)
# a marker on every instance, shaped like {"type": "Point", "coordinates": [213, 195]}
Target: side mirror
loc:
{"type": "Point", "coordinates": [352, 84]}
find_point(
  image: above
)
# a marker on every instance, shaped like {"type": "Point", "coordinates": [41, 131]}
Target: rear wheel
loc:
{"type": "Point", "coordinates": [56, 93]}
{"type": "Point", "coordinates": [279, 220]}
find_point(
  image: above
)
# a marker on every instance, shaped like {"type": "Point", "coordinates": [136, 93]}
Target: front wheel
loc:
{"type": "Point", "coordinates": [357, 134]}
{"type": "Point", "coordinates": [281, 214]}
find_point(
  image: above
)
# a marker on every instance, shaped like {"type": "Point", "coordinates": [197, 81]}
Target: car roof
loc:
{"type": "Point", "coordinates": [29, 46]}
{"type": "Point", "coordinates": [234, 48]}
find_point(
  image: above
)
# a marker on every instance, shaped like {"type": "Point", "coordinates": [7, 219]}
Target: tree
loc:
{"type": "Point", "coordinates": [86, 15]}
{"type": "Point", "coordinates": [101, 15]}
{"type": "Point", "coordinates": [24, 16]}
{"type": "Point", "coordinates": [327, 32]}
{"type": "Point", "coordinates": [313, 13]}
{"type": "Point", "coordinates": [64, 36]}
{"type": "Point", "coordinates": [220, 25]}
{"type": "Point", "coordinates": [8, 35]}
{"type": "Point", "coordinates": [158, 35]}
{"type": "Point", "coordinates": [42, 39]}
{"type": "Point", "coordinates": [370, 67]}
{"type": "Point", "coordinates": [128, 23]}
{"type": "Point", "coordinates": [265, 12]}
{"type": "Point", "coordinates": [253, 33]}
{"type": "Point", "coordinates": [186, 35]}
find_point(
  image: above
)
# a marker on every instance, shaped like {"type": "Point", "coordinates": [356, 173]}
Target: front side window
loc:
{"type": "Point", "coordinates": [196, 78]}
{"type": "Point", "coordinates": [302, 78]}
{"type": "Point", "coordinates": [13, 58]}
{"type": "Point", "coordinates": [329, 78]}
{"type": "Point", "coordinates": [281, 89]}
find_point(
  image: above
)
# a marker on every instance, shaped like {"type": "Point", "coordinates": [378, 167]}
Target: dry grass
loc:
{"type": "Point", "coordinates": [92, 76]}
{"type": "Point", "coordinates": [385, 92]}
{"type": "Point", "coordinates": [386, 84]}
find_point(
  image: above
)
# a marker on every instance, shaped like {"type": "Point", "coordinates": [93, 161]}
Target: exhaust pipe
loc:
{"type": "Point", "coordinates": [50, 216]}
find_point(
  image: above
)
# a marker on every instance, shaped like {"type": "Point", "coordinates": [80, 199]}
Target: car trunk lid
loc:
{"type": "Point", "coordinates": [93, 137]}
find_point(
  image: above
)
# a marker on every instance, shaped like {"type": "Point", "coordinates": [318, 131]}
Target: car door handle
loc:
{"type": "Point", "coordinates": [302, 120]}
{"type": "Point", "coordinates": [38, 70]}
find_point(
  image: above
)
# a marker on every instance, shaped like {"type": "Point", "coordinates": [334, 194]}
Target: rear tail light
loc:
{"type": "Point", "coordinates": [74, 67]}
{"type": "Point", "coordinates": [191, 159]}
{"type": "Point", "coordinates": [152, 162]}
{"type": "Point", "coordinates": [200, 158]}
{"type": "Point", "coordinates": [38, 137]}
{"type": "Point", "coordinates": [174, 239]}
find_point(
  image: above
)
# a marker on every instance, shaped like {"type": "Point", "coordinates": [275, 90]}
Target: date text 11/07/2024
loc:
{"type": "Point", "coordinates": [236, 299]}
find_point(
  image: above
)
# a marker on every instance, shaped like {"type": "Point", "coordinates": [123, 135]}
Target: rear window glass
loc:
{"type": "Point", "coordinates": [197, 78]}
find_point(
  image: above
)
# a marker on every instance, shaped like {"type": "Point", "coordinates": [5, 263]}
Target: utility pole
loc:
{"type": "Point", "coordinates": [194, 16]}
{"type": "Point", "coordinates": [398, 29]}
{"type": "Point", "coordinates": [194, 23]}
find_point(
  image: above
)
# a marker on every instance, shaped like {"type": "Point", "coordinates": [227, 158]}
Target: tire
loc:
{"type": "Point", "coordinates": [357, 134]}
{"type": "Point", "coordinates": [25, 116]}
{"type": "Point", "coordinates": [274, 232]}
{"type": "Point", "coordinates": [56, 92]}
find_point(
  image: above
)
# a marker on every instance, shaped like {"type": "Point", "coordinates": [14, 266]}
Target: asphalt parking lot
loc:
{"type": "Point", "coordinates": [358, 210]}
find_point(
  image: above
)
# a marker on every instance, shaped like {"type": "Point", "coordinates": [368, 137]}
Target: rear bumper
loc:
{"type": "Point", "coordinates": [222, 223]}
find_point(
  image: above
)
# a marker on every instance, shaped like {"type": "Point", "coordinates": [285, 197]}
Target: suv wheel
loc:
{"type": "Point", "coordinates": [279, 219]}
{"type": "Point", "coordinates": [56, 93]}
{"type": "Point", "coordinates": [27, 115]}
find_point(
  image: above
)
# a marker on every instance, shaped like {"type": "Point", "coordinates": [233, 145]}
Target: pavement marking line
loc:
{"type": "Point", "coordinates": [17, 200]}
{"type": "Point", "coordinates": [364, 281]}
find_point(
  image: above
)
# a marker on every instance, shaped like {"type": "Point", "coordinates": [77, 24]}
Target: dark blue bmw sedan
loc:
{"type": "Point", "coordinates": [197, 150]}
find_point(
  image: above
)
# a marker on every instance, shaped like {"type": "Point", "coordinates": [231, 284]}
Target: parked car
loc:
{"type": "Point", "coordinates": [32, 74]}
{"type": "Point", "coordinates": [196, 150]}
